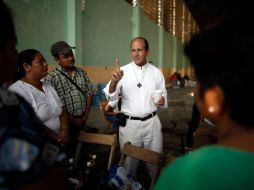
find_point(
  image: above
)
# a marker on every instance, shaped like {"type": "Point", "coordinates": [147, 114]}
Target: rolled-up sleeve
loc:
{"type": "Point", "coordinates": [113, 96]}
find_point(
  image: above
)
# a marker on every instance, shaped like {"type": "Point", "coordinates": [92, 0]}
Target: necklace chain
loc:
{"type": "Point", "coordinates": [139, 83]}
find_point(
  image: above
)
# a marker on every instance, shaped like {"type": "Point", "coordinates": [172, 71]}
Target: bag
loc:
{"type": "Point", "coordinates": [122, 180]}
{"type": "Point", "coordinates": [121, 119]}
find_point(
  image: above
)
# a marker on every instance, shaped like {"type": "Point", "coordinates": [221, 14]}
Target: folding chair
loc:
{"type": "Point", "coordinates": [103, 139]}
{"type": "Point", "coordinates": [145, 155]}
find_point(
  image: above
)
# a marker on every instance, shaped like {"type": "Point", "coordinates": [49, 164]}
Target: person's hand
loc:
{"type": "Point", "coordinates": [51, 134]}
{"type": "Point", "coordinates": [63, 137]}
{"type": "Point", "coordinates": [79, 122]}
{"type": "Point", "coordinates": [117, 73]}
{"type": "Point", "coordinates": [160, 102]}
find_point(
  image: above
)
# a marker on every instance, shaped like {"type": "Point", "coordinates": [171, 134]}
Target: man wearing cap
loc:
{"type": "Point", "coordinates": [73, 87]}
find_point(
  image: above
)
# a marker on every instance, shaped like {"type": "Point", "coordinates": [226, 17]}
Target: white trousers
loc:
{"type": "Point", "coordinates": [146, 134]}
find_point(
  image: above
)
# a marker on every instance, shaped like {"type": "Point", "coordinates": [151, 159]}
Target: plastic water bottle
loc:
{"type": "Point", "coordinates": [87, 175]}
{"type": "Point", "coordinates": [134, 184]}
{"type": "Point", "coordinates": [70, 168]}
{"type": "Point", "coordinates": [121, 178]}
{"type": "Point", "coordinates": [92, 167]}
{"type": "Point", "coordinates": [117, 176]}
{"type": "Point", "coordinates": [72, 173]}
{"type": "Point", "coordinates": [93, 160]}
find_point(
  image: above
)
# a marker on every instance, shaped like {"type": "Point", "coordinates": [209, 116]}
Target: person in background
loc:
{"type": "Point", "coordinates": [111, 109]}
{"type": "Point", "coordinates": [180, 80]}
{"type": "Point", "coordinates": [31, 68]}
{"type": "Point", "coordinates": [28, 157]}
{"type": "Point", "coordinates": [137, 82]}
{"type": "Point", "coordinates": [74, 89]}
{"type": "Point", "coordinates": [173, 79]}
{"type": "Point", "coordinates": [222, 57]}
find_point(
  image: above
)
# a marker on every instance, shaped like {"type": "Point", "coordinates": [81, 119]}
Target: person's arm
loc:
{"type": "Point", "coordinates": [87, 108]}
{"type": "Point", "coordinates": [109, 110]}
{"type": "Point", "coordinates": [63, 136]}
{"type": "Point", "coordinates": [162, 102]}
{"type": "Point", "coordinates": [112, 86]}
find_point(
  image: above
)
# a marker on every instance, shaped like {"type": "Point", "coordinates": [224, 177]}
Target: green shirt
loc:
{"type": "Point", "coordinates": [210, 168]}
{"type": "Point", "coordinates": [73, 100]}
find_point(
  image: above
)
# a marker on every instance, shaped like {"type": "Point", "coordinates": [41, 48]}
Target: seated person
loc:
{"type": "Point", "coordinates": [31, 68]}
{"type": "Point", "coordinates": [111, 109]}
{"type": "Point", "coordinates": [173, 79]}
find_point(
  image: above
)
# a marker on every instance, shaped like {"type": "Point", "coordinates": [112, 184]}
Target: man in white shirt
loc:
{"type": "Point", "coordinates": [137, 82]}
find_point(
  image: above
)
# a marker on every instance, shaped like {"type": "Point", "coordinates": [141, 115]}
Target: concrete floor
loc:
{"type": "Point", "coordinates": [174, 121]}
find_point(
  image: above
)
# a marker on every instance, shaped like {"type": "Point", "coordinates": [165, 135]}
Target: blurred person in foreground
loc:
{"type": "Point", "coordinates": [29, 160]}
{"type": "Point", "coordinates": [222, 57]}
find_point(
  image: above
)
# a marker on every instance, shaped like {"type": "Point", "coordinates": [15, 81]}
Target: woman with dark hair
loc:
{"type": "Point", "coordinates": [28, 156]}
{"type": "Point", "coordinates": [223, 62]}
{"type": "Point", "coordinates": [31, 68]}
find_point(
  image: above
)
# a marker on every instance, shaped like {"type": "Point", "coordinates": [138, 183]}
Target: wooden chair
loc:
{"type": "Point", "coordinates": [145, 155]}
{"type": "Point", "coordinates": [103, 139]}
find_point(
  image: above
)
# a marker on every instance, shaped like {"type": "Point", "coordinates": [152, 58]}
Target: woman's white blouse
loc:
{"type": "Point", "coordinates": [47, 105]}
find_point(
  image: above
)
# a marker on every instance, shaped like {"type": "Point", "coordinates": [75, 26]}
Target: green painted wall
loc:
{"type": "Point", "coordinates": [167, 50]}
{"type": "Point", "coordinates": [101, 32]}
{"type": "Point", "coordinates": [39, 23]}
{"type": "Point", "coordinates": [107, 29]}
{"type": "Point", "coordinates": [150, 31]}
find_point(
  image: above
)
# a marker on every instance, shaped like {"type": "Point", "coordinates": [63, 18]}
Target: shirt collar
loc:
{"type": "Point", "coordinates": [138, 67]}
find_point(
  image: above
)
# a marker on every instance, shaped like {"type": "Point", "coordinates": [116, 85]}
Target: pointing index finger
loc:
{"type": "Point", "coordinates": [117, 64]}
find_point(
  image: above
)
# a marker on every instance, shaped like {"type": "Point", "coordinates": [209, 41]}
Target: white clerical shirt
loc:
{"type": "Point", "coordinates": [138, 101]}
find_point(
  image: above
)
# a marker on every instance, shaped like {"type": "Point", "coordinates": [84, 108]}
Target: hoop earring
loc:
{"type": "Point", "coordinates": [211, 109]}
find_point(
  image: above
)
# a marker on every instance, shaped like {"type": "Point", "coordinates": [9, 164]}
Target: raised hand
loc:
{"type": "Point", "coordinates": [117, 73]}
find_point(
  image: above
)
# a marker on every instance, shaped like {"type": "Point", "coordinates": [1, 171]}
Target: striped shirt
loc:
{"type": "Point", "coordinates": [73, 100]}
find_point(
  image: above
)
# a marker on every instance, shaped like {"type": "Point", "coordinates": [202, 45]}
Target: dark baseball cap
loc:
{"type": "Point", "coordinates": [60, 47]}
